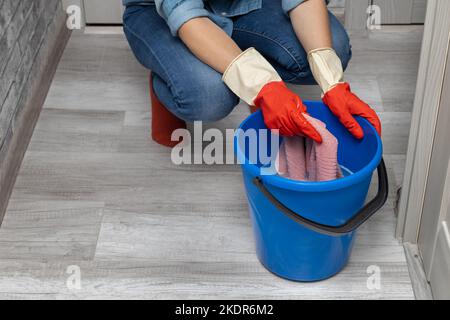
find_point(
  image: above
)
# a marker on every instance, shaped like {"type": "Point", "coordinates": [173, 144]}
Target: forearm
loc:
{"type": "Point", "coordinates": [209, 43]}
{"type": "Point", "coordinates": [311, 24]}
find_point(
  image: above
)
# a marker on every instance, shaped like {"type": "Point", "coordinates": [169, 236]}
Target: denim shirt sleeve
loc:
{"type": "Point", "coordinates": [177, 12]}
{"type": "Point", "coordinates": [288, 5]}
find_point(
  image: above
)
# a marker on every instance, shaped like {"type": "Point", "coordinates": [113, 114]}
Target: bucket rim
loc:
{"type": "Point", "coordinates": [311, 186]}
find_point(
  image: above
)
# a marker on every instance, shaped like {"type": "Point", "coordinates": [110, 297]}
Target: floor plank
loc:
{"type": "Point", "coordinates": [47, 230]}
{"type": "Point", "coordinates": [128, 279]}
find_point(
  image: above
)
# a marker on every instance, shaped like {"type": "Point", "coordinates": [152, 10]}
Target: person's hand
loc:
{"type": "Point", "coordinates": [253, 79]}
{"type": "Point", "coordinates": [283, 110]}
{"type": "Point", "coordinates": [344, 104]}
{"type": "Point", "coordinates": [326, 68]}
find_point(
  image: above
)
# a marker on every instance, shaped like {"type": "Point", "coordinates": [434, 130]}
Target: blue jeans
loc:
{"type": "Point", "coordinates": [192, 90]}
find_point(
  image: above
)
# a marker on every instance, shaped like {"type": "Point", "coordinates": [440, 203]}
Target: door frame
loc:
{"type": "Point", "coordinates": [429, 91]}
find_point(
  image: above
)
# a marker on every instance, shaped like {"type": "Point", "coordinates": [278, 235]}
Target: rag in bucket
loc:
{"type": "Point", "coordinates": [303, 159]}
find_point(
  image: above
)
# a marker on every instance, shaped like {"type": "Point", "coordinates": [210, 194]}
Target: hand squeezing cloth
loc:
{"type": "Point", "coordinates": [303, 159]}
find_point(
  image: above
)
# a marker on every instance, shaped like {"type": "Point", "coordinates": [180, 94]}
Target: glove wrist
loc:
{"type": "Point", "coordinates": [248, 73]}
{"type": "Point", "coordinates": [326, 68]}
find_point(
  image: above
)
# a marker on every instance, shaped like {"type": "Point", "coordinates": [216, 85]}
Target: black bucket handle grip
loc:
{"type": "Point", "coordinates": [351, 225]}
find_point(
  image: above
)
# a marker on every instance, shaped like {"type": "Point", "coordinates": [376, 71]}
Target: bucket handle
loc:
{"type": "Point", "coordinates": [351, 225]}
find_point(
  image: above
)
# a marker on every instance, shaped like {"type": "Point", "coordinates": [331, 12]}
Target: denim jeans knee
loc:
{"type": "Point", "coordinates": [196, 97]}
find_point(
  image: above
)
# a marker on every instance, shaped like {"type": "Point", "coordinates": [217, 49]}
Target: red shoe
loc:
{"type": "Point", "coordinates": [163, 121]}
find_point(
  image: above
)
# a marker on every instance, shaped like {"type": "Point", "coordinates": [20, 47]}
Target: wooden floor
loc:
{"type": "Point", "coordinates": [95, 192]}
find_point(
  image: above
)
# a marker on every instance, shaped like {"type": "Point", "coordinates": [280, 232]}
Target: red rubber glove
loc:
{"type": "Point", "coordinates": [344, 104]}
{"type": "Point", "coordinates": [283, 110]}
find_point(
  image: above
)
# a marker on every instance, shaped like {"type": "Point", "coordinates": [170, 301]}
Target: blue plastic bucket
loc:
{"type": "Point", "coordinates": [304, 231]}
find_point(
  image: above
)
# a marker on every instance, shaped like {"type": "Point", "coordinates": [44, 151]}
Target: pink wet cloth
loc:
{"type": "Point", "coordinates": [303, 159]}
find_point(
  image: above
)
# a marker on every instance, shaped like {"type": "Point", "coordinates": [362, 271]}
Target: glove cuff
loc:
{"type": "Point", "coordinates": [326, 68]}
{"type": "Point", "coordinates": [248, 73]}
{"type": "Point", "coordinates": [336, 92]}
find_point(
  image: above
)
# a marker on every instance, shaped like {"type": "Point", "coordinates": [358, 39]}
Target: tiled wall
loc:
{"type": "Point", "coordinates": [32, 34]}
{"type": "Point", "coordinates": [24, 24]}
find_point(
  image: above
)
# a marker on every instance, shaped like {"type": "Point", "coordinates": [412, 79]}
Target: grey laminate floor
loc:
{"type": "Point", "coordinates": [95, 192]}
